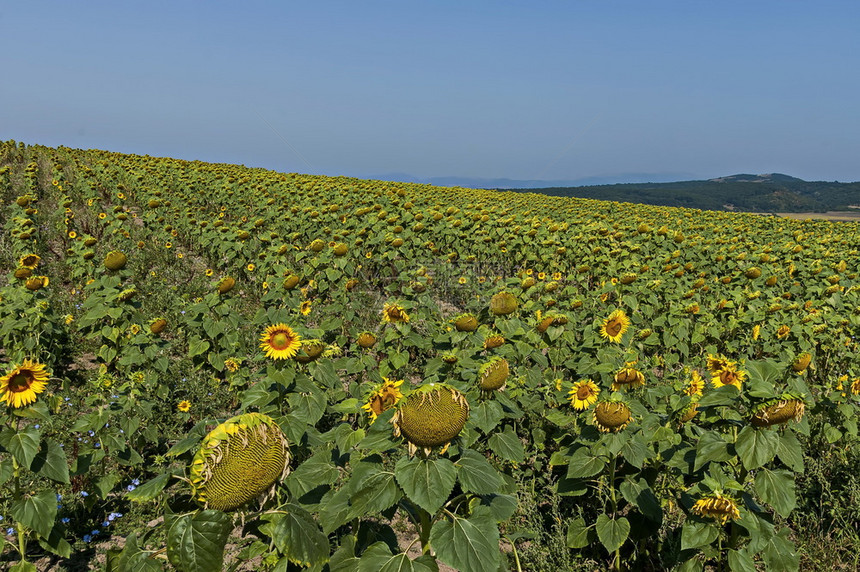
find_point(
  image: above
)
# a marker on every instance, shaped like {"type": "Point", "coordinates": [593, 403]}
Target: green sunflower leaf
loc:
{"type": "Point", "coordinates": [469, 544]}
{"type": "Point", "coordinates": [195, 542]}
{"type": "Point", "coordinates": [427, 482]}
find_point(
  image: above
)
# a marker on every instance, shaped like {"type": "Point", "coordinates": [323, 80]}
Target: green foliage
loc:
{"type": "Point", "coordinates": [734, 392]}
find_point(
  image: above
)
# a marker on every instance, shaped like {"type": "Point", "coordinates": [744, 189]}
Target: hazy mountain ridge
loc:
{"type": "Point", "coordinates": [772, 192]}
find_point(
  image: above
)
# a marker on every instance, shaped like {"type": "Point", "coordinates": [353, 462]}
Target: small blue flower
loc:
{"type": "Point", "coordinates": [87, 538]}
{"type": "Point", "coordinates": [130, 488]}
{"type": "Point", "coordinates": [135, 482]}
{"type": "Point", "coordinates": [85, 494]}
{"type": "Point", "coordinates": [95, 532]}
{"type": "Point", "coordinates": [10, 531]}
{"type": "Point", "coordinates": [105, 524]}
{"type": "Point", "coordinates": [59, 497]}
{"type": "Point", "coordinates": [97, 445]}
{"type": "Point", "coordinates": [65, 520]}
{"type": "Point", "coordinates": [37, 426]}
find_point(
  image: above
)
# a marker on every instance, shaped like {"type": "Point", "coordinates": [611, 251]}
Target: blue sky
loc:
{"type": "Point", "coordinates": [556, 90]}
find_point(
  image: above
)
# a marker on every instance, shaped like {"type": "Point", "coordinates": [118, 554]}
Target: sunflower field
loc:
{"type": "Point", "coordinates": [209, 366]}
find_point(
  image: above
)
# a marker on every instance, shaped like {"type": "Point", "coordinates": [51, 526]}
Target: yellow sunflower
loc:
{"type": "Point", "coordinates": [696, 385]}
{"type": "Point", "coordinates": [383, 397]}
{"type": "Point", "coordinates": [305, 308]}
{"type": "Point", "coordinates": [280, 342]}
{"type": "Point", "coordinates": [584, 394]}
{"type": "Point", "coordinates": [614, 326]}
{"type": "Point", "coordinates": [232, 364]}
{"type": "Point", "coordinates": [729, 374]}
{"type": "Point", "coordinates": [716, 362]}
{"type": "Point", "coordinates": [718, 507]}
{"type": "Point", "coordinates": [19, 387]}
{"type": "Point", "coordinates": [184, 406]}
{"type": "Point", "coordinates": [628, 377]}
{"type": "Point", "coordinates": [30, 261]}
{"type": "Point", "coordinates": [394, 314]}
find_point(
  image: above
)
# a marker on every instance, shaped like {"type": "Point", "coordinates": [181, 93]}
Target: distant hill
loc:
{"type": "Point", "coordinates": [773, 192]}
{"type": "Point", "coordinates": [504, 183]}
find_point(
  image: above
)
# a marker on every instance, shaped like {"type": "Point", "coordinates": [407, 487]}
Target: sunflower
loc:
{"type": "Point", "coordinates": [716, 362]}
{"type": "Point", "coordinates": [729, 374]}
{"type": "Point", "coordinates": [584, 394]}
{"type": "Point", "coordinates": [305, 308]}
{"type": "Point", "coordinates": [394, 314]}
{"type": "Point", "coordinates": [696, 385]}
{"type": "Point", "coordinates": [30, 261]}
{"type": "Point", "coordinates": [718, 507]}
{"type": "Point", "coordinates": [20, 386]}
{"type": "Point", "coordinates": [614, 326]}
{"type": "Point", "coordinates": [611, 416]}
{"type": "Point", "coordinates": [232, 364]}
{"type": "Point", "coordinates": [280, 342]}
{"type": "Point", "coordinates": [184, 406]}
{"type": "Point", "coordinates": [783, 332]}
{"type": "Point", "coordinates": [383, 397]}
{"type": "Point", "coordinates": [628, 377]}
{"type": "Point", "coordinates": [493, 341]}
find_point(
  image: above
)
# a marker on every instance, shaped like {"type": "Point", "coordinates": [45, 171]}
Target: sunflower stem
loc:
{"type": "Point", "coordinates": [424, 533]}
{"type": "Point", "coordinates": [612, 485]}
{"type": "Point", "coordinates": [19, 528]}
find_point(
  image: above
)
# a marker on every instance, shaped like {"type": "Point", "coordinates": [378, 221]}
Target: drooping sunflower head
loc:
{"type": "Point", "coordinates": [238, 461]}
{"type": "Point", "coordinates": [309, 350]}
{"type": "Point", "coordinates": [394, 314]}
{"type": "Point", "coordinates": [778, 411]}
{"type": "Point", "coordinates": [628, 377]}
{"type": "Point", "coordinates": [493, 341]}
{"type": "Point", "coordinates": [36, 283]}
{"type": "Point", "coordinates": [783, 332]}
{"type": "Point", "coordinates": [20, 386]}
{"type": "Point", "coordinates": [543, 322]}
{"type": "Point", "coordinates": [23, 273]}
{"type": "Point", "coordinates": [493, 374]}
{"type": "Point", "coordinates": [503, 303]}
{"type": "Point", "coordinates": [225, 284]}
{"type": "Point", "coordinates": [280, 342]}
{"type": "Point", "coordinates": [115, 260]}
{"type": "Point", "coordinates": [583, 394]}
{"type": "Point", "coordinates": [366, 340]}
{"type": "Point", "coordinates": [801, 362]}
{"type": "Point", "coordinates": [720, 508]}
{"type": "Point", "coordinates": [157, 325]}
{"type": "Point", "coordinates": [615, 325]}
{"type": "Point", "coordinates": [383, 397]}
{"type": "Point", "coordinates": [611, 416]}
{"type": "Point", "coordinates": [466, 322]}
{"type": "Point", "coordinates": [431, 416]}
{"type": "Point", "coordinates": [291, 282]}
{"type": "Point", "coordinates": [690, 411]}
{"type": "Point", "coordinates": [30, 261]}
